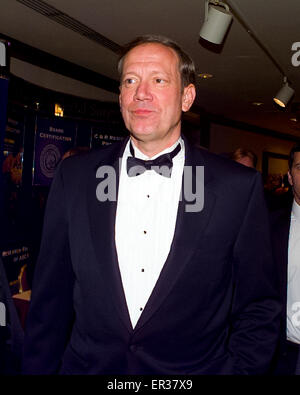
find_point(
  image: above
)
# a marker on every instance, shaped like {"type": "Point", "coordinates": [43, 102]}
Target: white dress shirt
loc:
{"type": "Point", "coordinates": [145, 223]}
{"type": "Point", "coordinates": [293, 286]}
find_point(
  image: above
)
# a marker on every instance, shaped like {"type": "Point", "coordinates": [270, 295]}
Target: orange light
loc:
{"type": "Point", "coordinates": [59, 111]}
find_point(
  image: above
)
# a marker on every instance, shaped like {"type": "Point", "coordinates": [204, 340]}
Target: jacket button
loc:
{"type": "Point", "coordinates": [133, 347]}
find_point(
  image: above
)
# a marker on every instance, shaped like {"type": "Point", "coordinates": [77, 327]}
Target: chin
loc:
{"type": "Point", "coordinates": [143, 136]}
{"type": "Point", "coordinates": [142, 132]}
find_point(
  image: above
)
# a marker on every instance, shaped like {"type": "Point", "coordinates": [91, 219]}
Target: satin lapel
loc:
{"type": "Point", "coordinates": [188, 230]}
{"type": "Point", "coordinates": [102, 227]}
{"type": "Point", "coordinates": [281, 230]}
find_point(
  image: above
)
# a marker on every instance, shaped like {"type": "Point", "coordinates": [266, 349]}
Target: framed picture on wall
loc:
{"type": "Point", "coordinates": [274, 168]}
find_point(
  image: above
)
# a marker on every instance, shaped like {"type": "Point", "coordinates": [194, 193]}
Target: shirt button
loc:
{"type": "Point", "coordinates": [141, 309]}
{"type": "Point", "coordinates": [133, 348]}
{"type": "Point", "coordinates": [143, 270]}
{"type": "Point", "coordinates": [145, 231]}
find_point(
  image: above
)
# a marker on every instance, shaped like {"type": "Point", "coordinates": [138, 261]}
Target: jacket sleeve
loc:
{"type": "Point", "coordinates": [50, 316]}
{"type": "Point", "coordinates": [256, 309]}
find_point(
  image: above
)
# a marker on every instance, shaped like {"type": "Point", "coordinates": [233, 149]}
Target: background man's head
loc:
{"type": "Point", "coordinates": [294, 171]}
{"type": "Point", "coordinates": [245, 157]}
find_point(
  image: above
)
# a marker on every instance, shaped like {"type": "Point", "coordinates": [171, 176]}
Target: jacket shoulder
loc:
{"type": "Point", "coordinates": [83, 162]}
{"type": "Point", "coordinates": [219, 164]}
{"type": "Point", "coordinates": [227, 175]}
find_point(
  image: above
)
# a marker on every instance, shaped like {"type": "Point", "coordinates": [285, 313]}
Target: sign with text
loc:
{"type": "Point", "coordinates": [14, 258]}
{"type": "Point", "coordinates": [53, 137]}
{"type": "Point", "coordinates": [106, 134]}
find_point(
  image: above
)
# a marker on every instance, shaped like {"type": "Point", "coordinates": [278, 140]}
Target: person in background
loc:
{"type": "Point", "coordinates": [285, 225]}
{"type": "Point", "coordinates": [137, 275]}
{"type": "Point", "coordinates": [245, 157]}
{"type": "Point", "coordinates": [75, 151]}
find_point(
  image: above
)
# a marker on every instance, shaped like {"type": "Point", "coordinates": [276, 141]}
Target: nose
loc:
{"type": "Point", "coordinates": [143, 91]}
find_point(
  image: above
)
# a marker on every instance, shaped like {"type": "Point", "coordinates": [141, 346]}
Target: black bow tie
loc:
{"type": "Point", "coordinates": [162, 164]}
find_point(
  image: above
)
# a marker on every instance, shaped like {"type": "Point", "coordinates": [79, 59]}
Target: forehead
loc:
{"type": "Point", "coordinates": [151, 54]}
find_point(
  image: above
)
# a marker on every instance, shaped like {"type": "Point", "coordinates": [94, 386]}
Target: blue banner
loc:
{"type": "Point", "coordinates": [53, 137]}
{"type": "Point", "coordinates": [13, 150]}
{"type": "Point", "coordinates": [3, 109]}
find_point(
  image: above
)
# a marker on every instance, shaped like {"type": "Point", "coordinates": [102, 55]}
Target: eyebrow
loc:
{"type": "Point", "coordinates": [152, 73]}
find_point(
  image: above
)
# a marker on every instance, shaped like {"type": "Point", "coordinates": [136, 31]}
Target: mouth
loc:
{"type": "Point", "coordinates": [142, 112]}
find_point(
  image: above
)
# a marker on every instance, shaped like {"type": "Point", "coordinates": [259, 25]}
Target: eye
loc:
{"type": "Point", "coordinates": [160, 80]}
{"type": "Point", "coordinates": [129, 81]}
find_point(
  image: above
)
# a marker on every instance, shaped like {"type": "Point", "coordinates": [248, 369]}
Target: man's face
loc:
{"type": "Point", "coordinates": [151, 96]}
{"type": "Point", "coordinates": [294, 176]}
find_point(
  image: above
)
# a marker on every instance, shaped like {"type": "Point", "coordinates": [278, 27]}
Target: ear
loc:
{"type": "Point", "coordinates": [290, 178]}
{"type": "Point", "coordinates": [120, 101]}
{"type": "Point", "coordinates": [188, 97]}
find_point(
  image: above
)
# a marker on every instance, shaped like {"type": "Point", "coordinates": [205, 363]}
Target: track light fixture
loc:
{"type": "Point", "coordinates": [284, 94]}
{"type": "Point", "coordinates": [216, 21]}
{"type": "Point", "coordinates": [215, 26]}
{"type": "Point", "coordinates": [2, 54]}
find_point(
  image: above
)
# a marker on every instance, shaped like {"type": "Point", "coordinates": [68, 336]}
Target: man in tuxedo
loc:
{"type": "Point", "coordinates": [145, 267]}
{"type": "Point", "coordinates": [286, 245]}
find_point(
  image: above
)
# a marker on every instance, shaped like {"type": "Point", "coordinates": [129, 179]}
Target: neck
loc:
{"type": "Point", "coordinates": [151, 148]}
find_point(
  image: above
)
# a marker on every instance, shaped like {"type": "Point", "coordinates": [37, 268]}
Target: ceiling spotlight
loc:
{"type": "Point", "coordinates": [216, 21]}
{"type": "Point", "coordinates": [284, 94]}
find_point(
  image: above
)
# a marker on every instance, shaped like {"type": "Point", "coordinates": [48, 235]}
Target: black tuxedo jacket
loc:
{"type": "Point", "coordinates": [214, 308]}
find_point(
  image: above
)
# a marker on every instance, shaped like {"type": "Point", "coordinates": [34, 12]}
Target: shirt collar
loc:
{"type": "Point", "coordinates": [296, 210]}
{"type": "Point", "coordinates": [139, 154]}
